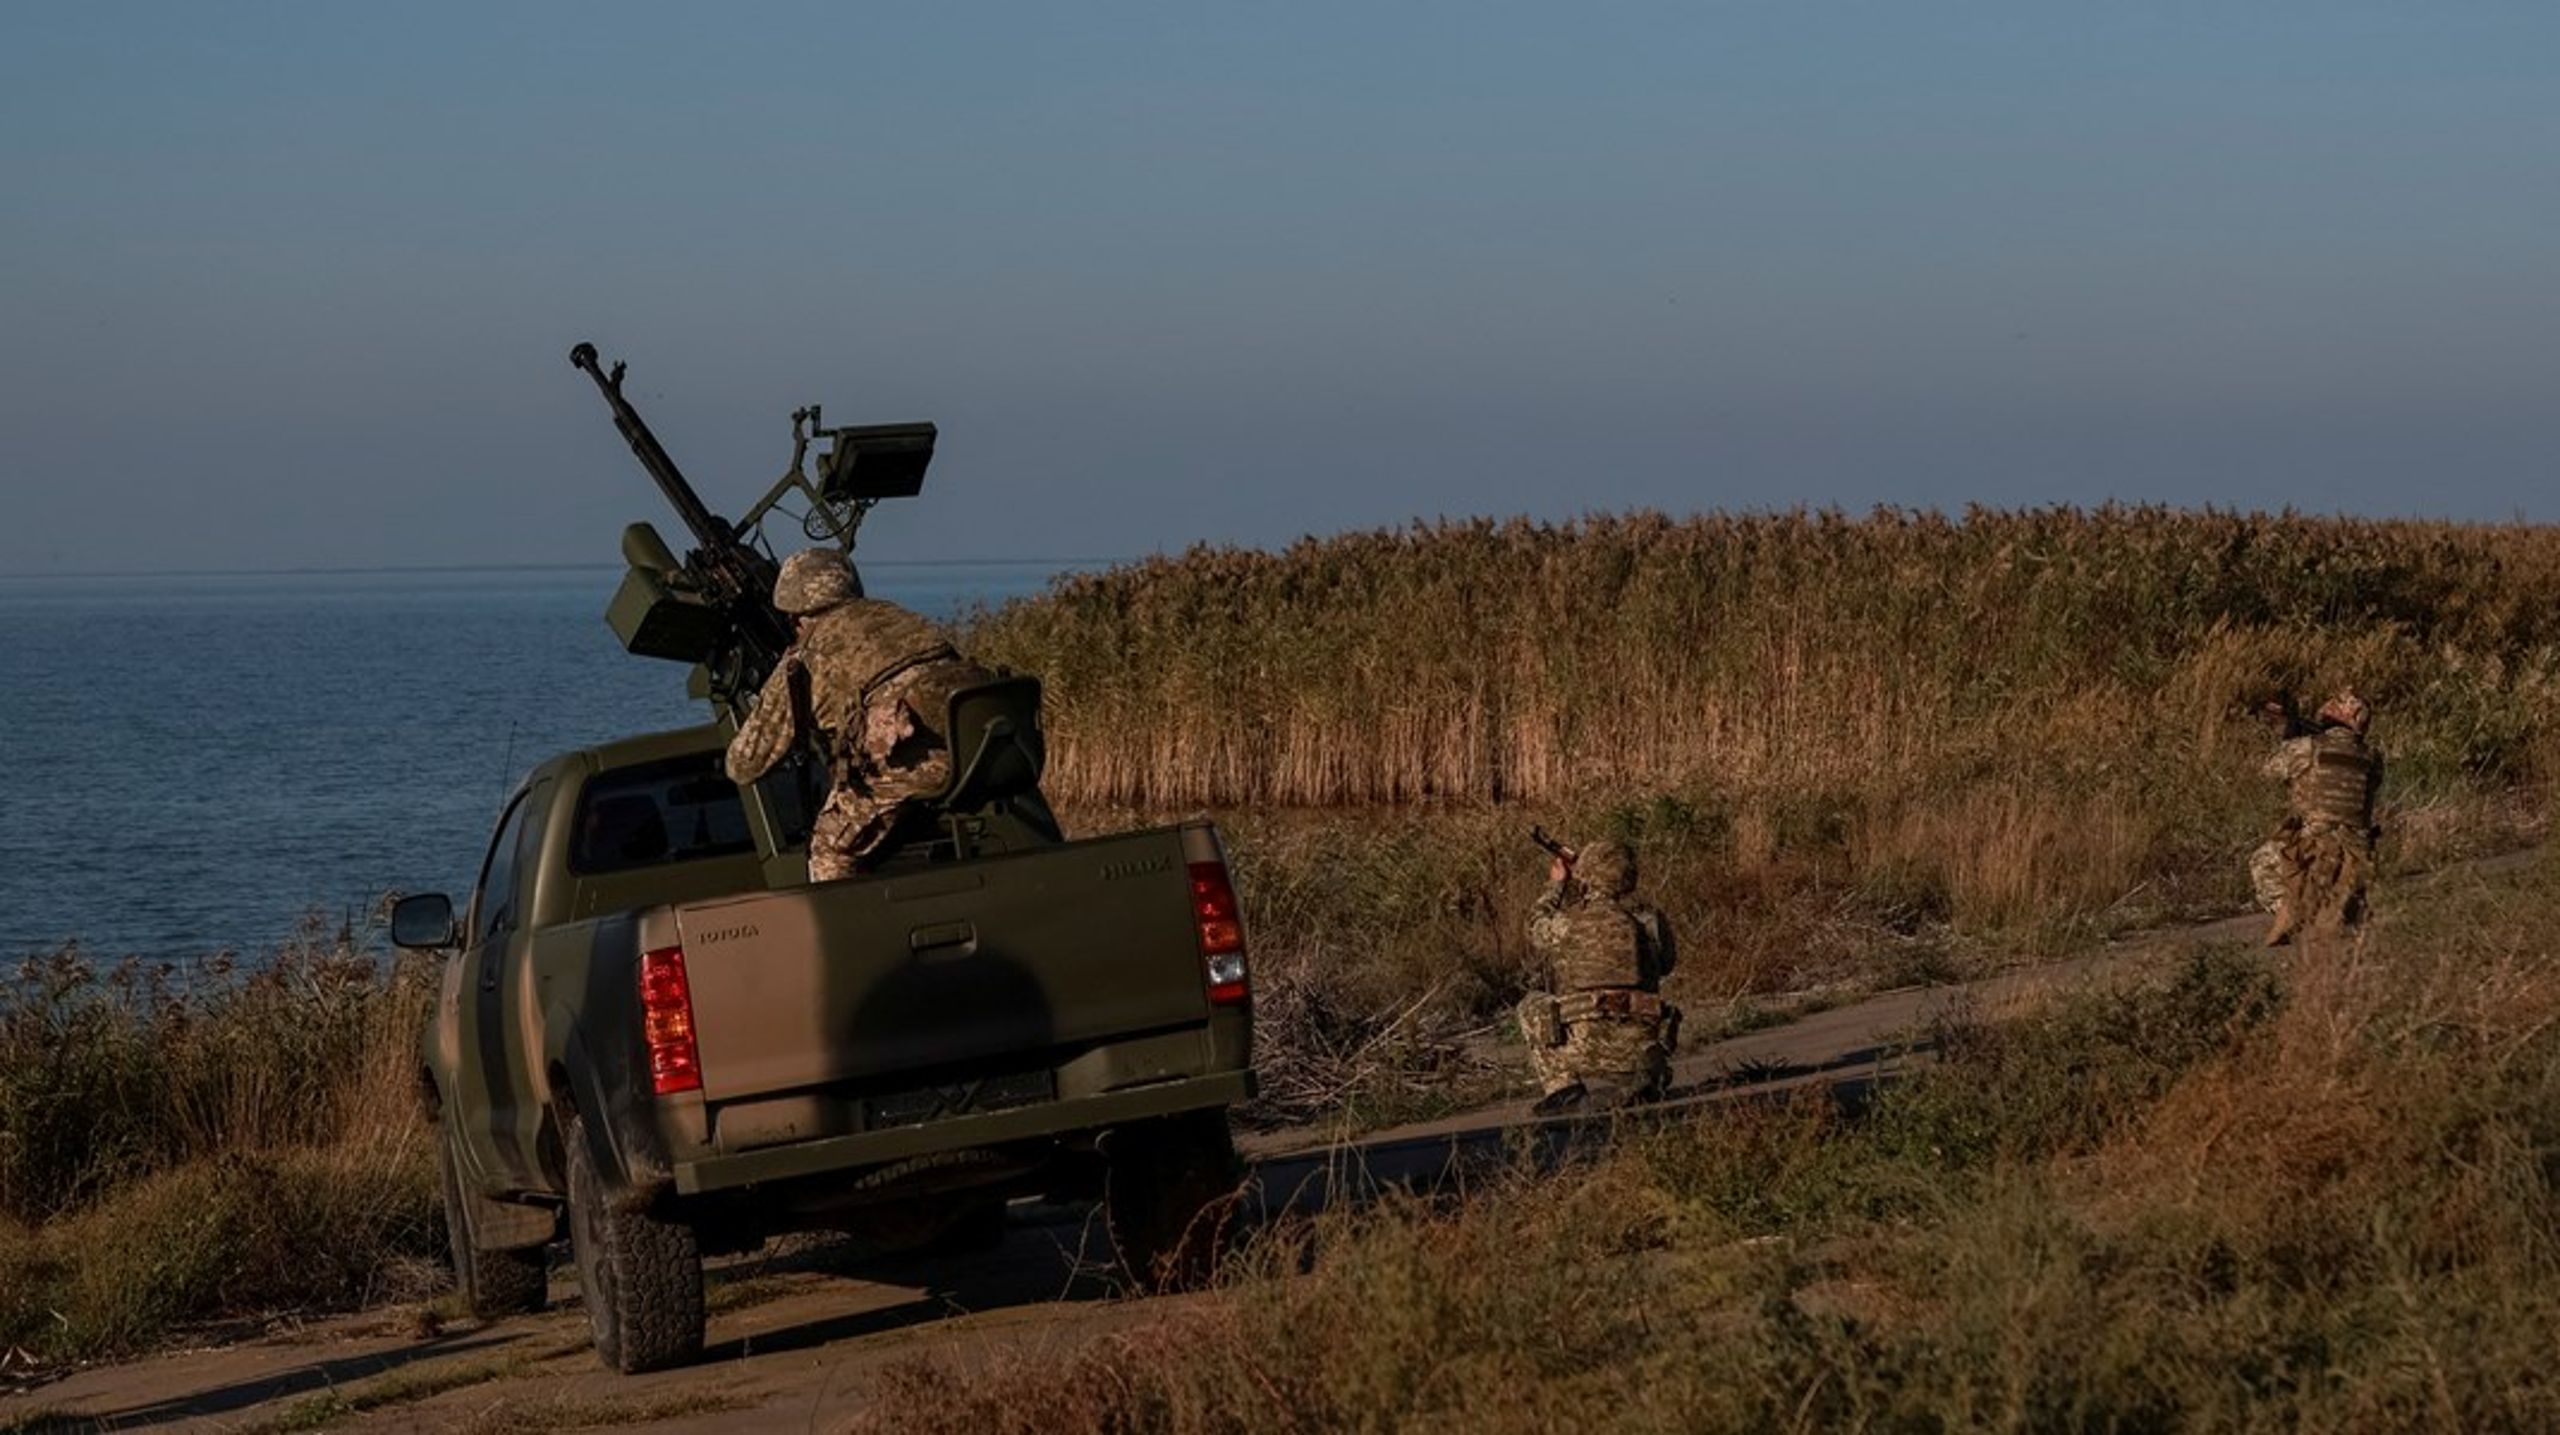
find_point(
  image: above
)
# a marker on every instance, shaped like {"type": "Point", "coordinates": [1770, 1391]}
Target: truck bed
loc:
{"type": "Point", "coordinates": [854, 1009]}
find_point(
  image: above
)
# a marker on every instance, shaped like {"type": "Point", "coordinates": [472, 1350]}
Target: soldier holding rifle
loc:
{"type": "Point", "coordinates": [1602, 1035]}
{"type": "Point", "coordinates": [2314, 873]}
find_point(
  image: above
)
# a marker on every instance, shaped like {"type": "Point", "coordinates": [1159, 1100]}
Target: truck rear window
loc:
{"type": "Point", "coordinates": [659, 812]}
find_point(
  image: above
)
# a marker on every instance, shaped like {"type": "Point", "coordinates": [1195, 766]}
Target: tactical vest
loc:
{"type": "Point", "coordinates": [926, 685]}
{"type": "Point", "coordinates": [858, 648]}
{"type": "Point", "coordinates": [2336, 790]}
{"type": "Point", "coordinates": [1599, 945]}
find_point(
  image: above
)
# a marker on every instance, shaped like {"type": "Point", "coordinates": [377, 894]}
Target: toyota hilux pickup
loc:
{"type": "Point", "coordinates": [656, 1034]}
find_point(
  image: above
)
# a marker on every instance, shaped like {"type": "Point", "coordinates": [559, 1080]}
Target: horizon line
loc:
{"type": "Point", "coordinates": [361, 570]}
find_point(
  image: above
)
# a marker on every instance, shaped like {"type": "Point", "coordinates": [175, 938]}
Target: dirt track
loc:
{"type": "Point", "coordinates": [796, 1345]}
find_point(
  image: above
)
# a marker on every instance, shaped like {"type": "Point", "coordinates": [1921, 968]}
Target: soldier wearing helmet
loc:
{"type": "Point", "coordinates": [1601, 1034]}
{"type": "Point", "coordinates": [2314, 873]}
{"type": "Point", "coordinates": [871, 682]}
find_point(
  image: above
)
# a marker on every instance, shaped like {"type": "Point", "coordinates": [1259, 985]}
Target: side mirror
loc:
{"type": "Point", "coordinates": [421, 922]}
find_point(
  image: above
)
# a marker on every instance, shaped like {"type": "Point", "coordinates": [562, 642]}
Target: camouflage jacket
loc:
{"type": "Point", "coordinates": [1555, 930]}
{"type": "Point", "coordinates": [850, 653]}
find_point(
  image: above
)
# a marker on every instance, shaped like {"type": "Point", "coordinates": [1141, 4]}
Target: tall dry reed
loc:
{"type": "Point", "coordinates": [1777, 654]}
{"type": "Point", "coordinates": [1999, 721]}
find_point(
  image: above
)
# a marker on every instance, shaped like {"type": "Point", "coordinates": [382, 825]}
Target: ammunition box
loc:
{"type": "Point", "coordinates": [654, 620]}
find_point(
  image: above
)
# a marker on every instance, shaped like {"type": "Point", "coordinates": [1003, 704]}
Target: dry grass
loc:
{"type": "Point", "coordinates": [1852, 752]}
{"type": "Point", "coordinates": [177, 1147]}
{"type": "Point", "coordinates": [2228, 1202]}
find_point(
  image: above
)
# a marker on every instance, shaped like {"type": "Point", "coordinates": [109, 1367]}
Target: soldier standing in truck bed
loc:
{"type": "Point", "coordinates": [872, 681]}
{"type": "Point", "coordinates": [2314, 873]}
{"type": "Point", "coordinates": [1603, 1036]}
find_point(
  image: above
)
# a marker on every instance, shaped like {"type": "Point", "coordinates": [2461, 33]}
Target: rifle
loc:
{"type": "Point", "coordinates": [740, 639]}
{"type": "Point", "coordinates": [1552, 847]}
{"type": "Point", "coordinates": [2284, 715]}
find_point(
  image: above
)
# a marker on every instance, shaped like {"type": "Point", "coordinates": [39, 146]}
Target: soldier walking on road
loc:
{"type": "Point", "coordinates": [2313, 874]}
{"type": "Point", "coordinates": [1602, 1035]}
{"type": "Point", "coordinates": [871, 681]}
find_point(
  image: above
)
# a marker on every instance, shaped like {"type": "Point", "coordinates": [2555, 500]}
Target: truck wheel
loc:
{"type": "Point", "coordinates": [641, 1276]}
{"type": "Point", "coordinates": [493, 1283]}
{"type": "Point", "coordinates": [1168, 1197]}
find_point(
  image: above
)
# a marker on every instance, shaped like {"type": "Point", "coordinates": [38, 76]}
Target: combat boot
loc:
{"type": "Point", "coordinates": [2280, 931]}
{"type": "Point", "coordinates": [1607, 1096]}
{"type": "Point", "coordinates": [1561, 1101]}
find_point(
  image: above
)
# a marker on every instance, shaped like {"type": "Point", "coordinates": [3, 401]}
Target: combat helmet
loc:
{"type": "Point", "coordinates": [814, 580]}
{"type": "Point", "coordinates": [2348, 711]}
{"type": "Point", "coordinates": [1607, 867]}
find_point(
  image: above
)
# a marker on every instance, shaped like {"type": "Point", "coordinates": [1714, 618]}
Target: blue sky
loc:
{"type": "Point", "coordinates": [294, 285]}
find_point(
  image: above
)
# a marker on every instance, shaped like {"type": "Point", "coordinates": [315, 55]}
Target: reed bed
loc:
{"type": "Point", "coordinates": [1849, 750]}
{"type": "Point", "coordinates": [1771, 655]}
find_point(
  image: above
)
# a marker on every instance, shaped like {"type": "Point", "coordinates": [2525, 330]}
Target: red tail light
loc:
{"type": "Point", "coordinates": [1213, 909]}
{"type": "Point", "coordinates": [666, 1015]}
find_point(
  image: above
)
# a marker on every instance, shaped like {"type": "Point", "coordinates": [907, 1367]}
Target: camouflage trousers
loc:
{"type": "Point", "coordinates": [896, 763]}
{"type": "Point", "coordinates": [1571, 1039]}
{"type": "Point", "coordinates": [2267, 868]}
{"type": "Point", "coordinates": [2314, 880]}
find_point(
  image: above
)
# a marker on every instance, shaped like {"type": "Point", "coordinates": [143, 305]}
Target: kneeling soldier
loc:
{"type": "Point", "coordinates": [1602, 1034]}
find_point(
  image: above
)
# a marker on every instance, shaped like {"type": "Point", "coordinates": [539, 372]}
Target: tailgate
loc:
{"type": "Point", "coordinates": [1006, 955]}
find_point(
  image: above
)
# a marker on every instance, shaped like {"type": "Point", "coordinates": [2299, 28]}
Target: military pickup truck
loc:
{"type": "Point", "coordinates": [656, 1032]}
{"type": "Point", "coordinates": [640, 1040]}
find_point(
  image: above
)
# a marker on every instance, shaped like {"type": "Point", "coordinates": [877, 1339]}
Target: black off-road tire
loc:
{"type": "Point", "coordinates": [640, 1275]}
{"type": "Point", "coordinates": [493, 1283]}
{"type": "Point", "coordinates": [1169, 1198]}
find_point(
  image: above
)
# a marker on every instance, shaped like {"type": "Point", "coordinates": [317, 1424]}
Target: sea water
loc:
{"type": "Point", "coordinates": [191, 764]}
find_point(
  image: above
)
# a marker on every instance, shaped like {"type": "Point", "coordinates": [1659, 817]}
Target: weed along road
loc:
{"type": "Point", "coordinates": [803, 1334]}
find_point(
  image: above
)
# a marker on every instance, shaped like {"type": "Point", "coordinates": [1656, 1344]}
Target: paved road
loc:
{"type": "Point", "coordinates": [797, 1343]}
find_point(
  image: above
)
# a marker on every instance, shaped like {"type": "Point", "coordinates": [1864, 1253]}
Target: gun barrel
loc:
{"type": "Point", "coordinates": [728, 572]}
{"type": "Point", "coordinates": [708, 529]}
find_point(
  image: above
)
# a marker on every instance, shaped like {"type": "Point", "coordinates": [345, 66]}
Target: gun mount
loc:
{"type": "Point", "coordinates": [714, 606]}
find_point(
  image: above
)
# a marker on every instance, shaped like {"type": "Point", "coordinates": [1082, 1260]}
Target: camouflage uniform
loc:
{"type": "Point", "coordinates": [2313, 874]}
{"type": "Point", "coordinates": [1605, 1023]}
{"type": "Point", "coordinates": [872, 681]}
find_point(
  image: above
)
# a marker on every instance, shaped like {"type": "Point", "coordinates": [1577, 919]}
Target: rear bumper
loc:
{"type": "Point", "coordinates": [962, 1133]}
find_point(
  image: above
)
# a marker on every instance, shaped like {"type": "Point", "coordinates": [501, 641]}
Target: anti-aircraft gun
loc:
{"type": "Point", "coordinates": [667, 1045]}
{"type": "Point", "coordinates": [714, 607]}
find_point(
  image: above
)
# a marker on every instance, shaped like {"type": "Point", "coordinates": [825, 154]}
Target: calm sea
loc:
{"type": "Point", "coordinates": [194, 763]}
